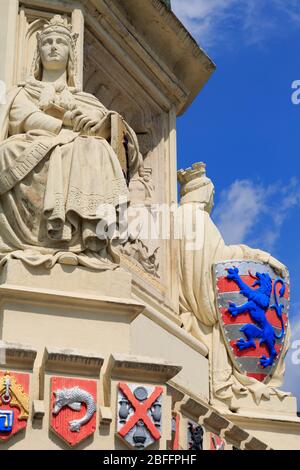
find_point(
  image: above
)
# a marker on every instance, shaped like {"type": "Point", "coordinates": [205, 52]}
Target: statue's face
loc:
{"type": "Point", "coordinates": [54, 51]}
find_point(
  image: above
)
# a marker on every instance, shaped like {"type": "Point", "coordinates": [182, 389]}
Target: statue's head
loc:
{"type": "Point", "coordinates": [56, 49]}
{"type": "Point", "coordinates": [196, 186]}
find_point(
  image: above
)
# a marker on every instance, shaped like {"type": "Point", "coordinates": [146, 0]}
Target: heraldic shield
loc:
{"type": "Point", "coordinates": [253, 304]}
{"type": "Point", "coordinates": [73, 408]}
{"type": "Point", "coordinates": [139, 414]}
{"type": "Point", "coordinates": [14, 403]}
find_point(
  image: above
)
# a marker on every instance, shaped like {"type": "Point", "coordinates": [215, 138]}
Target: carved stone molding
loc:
{"type": "Point", "coordinates": [14, 355]}
{"type": "Point", "coordinates": [126, 366]}
{"type": "Point", "coordinates": [72, 361]}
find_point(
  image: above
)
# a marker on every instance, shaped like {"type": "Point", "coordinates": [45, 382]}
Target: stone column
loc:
{"type": "Point", "coordinates": [8, 35]}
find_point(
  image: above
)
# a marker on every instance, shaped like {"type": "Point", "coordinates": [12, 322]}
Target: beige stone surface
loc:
{"type": "Point", "coordinates": [128, 366]}
{"type": "Point", "coordinates": [17, 355]}
{"type": "Point", "coordinates": [105, 415]}
{"type": "Point", "coordinates": [194, 373]}
{"type": "Point", "coordinates": [38, 410]}
{"type": "Point", "coordinates": [67, 319]}
{"type": "Point", "coordinates": [190, 409]}
{"type": "Point", "coordinates": [64, 278]}
{"type": "Point", "coordinates": [110, 325]}
{"type": "Point", "coordinates": [8, 28]}
{"type": "Point", "coordinates": [278, 434]}
{"type": "Point", "coordinates": [71, 361]}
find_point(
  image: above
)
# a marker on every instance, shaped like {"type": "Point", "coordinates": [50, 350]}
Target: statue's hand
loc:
{"type": "Point", "coordinates": [97, 127]}
{"type": "Point", "coordinates": [278, 267]}
{"type": "Point", "coordinates": [87, 124]}
{"type": "Point", "coordinates": [81, 121]}
{"type": "Point", "coordinates": [102, 127]}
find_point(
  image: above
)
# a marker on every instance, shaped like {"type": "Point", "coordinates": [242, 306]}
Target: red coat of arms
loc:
{"type": "Point", "coordinates": [73, 408]}
{"type": "Point", "coordinates": [215, 442]}
{"type": "Point", "coordinates": [14, 403]}
{"type": "Point", "coordinates": [139, 414]}
{"type": "Point", "coordinates": [253, 303]}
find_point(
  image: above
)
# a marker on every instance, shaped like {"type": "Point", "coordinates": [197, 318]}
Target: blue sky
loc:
{"type": "Point", "coordinates": [246, 128]}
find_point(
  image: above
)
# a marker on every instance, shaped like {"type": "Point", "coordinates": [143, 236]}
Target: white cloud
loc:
{"type": "Point", "coordinates": [238, 210]}
{"type": "Point", "coordinates": [254, 214]}
{"type": "Point", "coordinates": [202, 17]}
{"type": "Point", "coordinates": [214, 21]}
{"type": "Point", "coordinates": [289, 197]}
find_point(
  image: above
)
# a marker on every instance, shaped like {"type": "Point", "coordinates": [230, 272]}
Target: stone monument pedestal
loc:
{"type": "Point", "coordinates": [118, 336]}
{"type": "Point", "coordinates": [70, 307]}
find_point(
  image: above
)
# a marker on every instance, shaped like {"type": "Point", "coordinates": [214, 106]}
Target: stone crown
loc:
{"type": "Point", "coordinates": [57, 24]}
{"type": "Point", "coordinates": [196, 171]}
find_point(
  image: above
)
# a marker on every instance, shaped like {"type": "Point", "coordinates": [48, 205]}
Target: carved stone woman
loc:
{"type": "Point", "coordinates": [197, 294]}
{"type": "Point", "coordinates": [56, 164]}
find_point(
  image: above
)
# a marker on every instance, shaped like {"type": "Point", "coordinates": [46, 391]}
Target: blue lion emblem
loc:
{"type": "Point", "coordinates": [257, 305]}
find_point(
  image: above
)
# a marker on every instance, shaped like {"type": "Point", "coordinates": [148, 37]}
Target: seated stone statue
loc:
{"type": "Point", "coordinates": [198, 306]}
{"type": "Point", "coordinates": [56, 163]}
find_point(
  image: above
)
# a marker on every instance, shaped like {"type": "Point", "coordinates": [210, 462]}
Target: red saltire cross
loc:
{"type": "Point", "coordinates": [141, 409]}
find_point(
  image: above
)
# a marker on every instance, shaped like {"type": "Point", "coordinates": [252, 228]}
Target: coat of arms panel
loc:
{"type": "Point", "coordinates": [14, 403]}
{"type": "Point", "coordinates": [73, 408]}
{"type": "Point", "coordinates": [253, 305]}
{"type": "Point", "coordinates": [139, 417]}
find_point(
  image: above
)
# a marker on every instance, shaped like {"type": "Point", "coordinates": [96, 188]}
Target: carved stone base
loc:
{"type": "Point", "coordinates": [67, 279]}
{"type": "Point", "coordinates": [66, 307]}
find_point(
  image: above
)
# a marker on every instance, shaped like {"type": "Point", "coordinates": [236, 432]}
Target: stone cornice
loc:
{"type": "Point", "coordinates": [129, 367]}
{"type": "Point", "coordinates": [13, 355]}
{"type": "Point", "coordinates": [128, 307]}
{"type": "Point", "coordinates": [72, 361]}
{"type": "Point", "coordinates": [201, 412]}
{"type": "Point", "coordinates": [160, 54]}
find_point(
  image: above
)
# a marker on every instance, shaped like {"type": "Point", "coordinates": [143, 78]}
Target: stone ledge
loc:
{"type": "Point", "coordinates": [122, 306]}
{"type": "Point", "coordinates": [14, 355]}
{"type": "Point", "coordinates": [65, 278]}
{"type": "Point", "coordinates": [138, 369]}
{"type": "Point", "coordinates": [235, 435]}
{"type": "Point", "coordinates": [275, 418]}
{"type": "Point", "coordinates": [193, 408]}
{"type": "Point", "coordinates": [72, 361]}
{"type": "Point", "coordinates": [132, 367]}
{"type": "Point", "coordinates": [173, 328]}
{"type": "Point", "coordinates": [215, 422]}
{"type": "Point", "coordinates": [254, 444]}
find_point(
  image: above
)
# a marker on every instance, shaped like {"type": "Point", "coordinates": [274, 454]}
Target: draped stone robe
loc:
{"type": "Point", "coordinates": [198, 301]}
{"type": "Point", "coordinates": [53, 180]}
